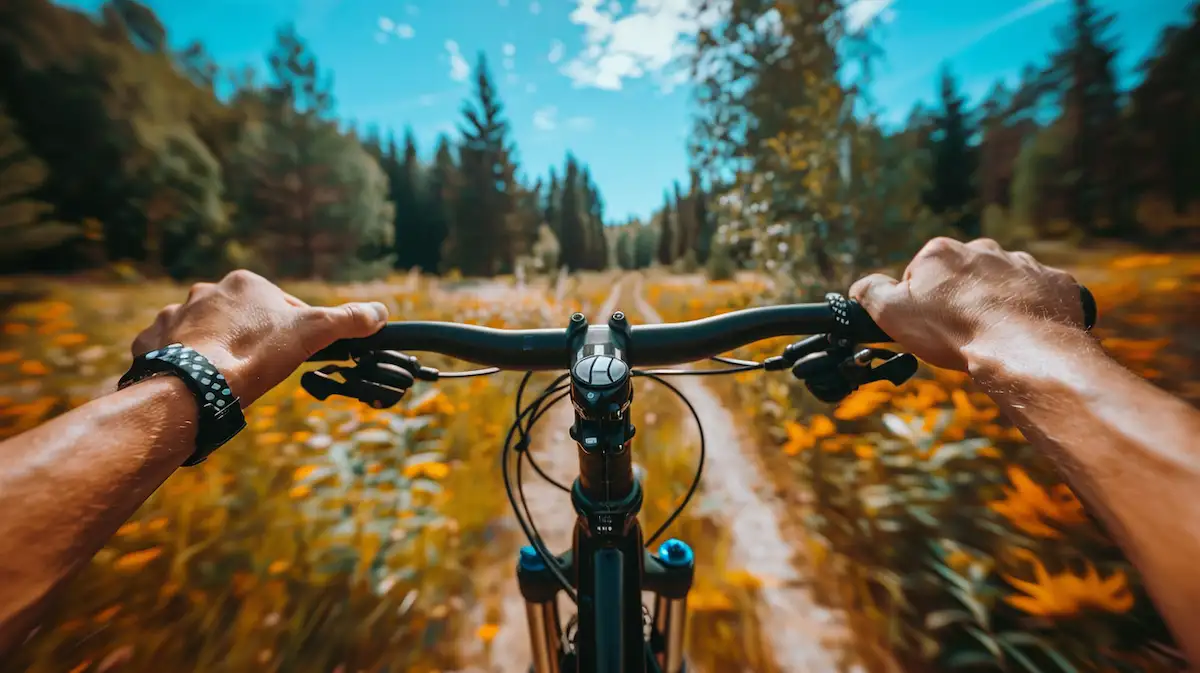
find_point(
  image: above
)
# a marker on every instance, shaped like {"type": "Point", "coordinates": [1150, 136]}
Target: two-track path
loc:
{"type": "Point", "coordinates": [803, 636]}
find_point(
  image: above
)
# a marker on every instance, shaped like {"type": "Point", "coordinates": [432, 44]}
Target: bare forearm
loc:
{"type": "Point", "coordinates": [1129, 449]}
{"type": "Point", "coordinates": [67, 486]}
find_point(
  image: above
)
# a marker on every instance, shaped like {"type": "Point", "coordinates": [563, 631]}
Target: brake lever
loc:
{"type": "Point", "coordinates": [832, 369]}
{"type": "Point", "coordinates": [379, 378]}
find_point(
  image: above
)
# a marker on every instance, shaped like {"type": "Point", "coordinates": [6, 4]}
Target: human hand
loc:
{"type": "Point", "coordinates": [254, 332]}
{"type": "Point", "coordinates": [955, 296]}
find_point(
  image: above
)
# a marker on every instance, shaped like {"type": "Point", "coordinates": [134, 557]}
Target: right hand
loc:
{"type": "Point", "coordinates": [957, 295]}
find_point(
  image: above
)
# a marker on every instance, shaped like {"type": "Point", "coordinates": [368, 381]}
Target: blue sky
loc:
{"type": "Point", "coordinates": [595, 76]}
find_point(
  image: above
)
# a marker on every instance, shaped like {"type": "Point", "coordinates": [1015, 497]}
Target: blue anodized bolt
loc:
{"type": "Point", "coordinates": [675, 553]}
{"type": "Point", "coordinates": [530, 559]}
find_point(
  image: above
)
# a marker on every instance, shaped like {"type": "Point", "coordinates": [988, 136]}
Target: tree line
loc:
{"type": "Point", "coordinates": [814, 186]}
{"type": "Point", "coordinates": [115, 149]}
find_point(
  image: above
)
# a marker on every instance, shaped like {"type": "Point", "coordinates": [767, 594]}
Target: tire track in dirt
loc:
{"type": "Point", "coordinates": [803, 636]}
{"type": "Point", "coordinates": [552, 513]}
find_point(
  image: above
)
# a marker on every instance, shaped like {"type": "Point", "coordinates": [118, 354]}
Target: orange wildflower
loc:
{"type": "Point", "coordinates": [1067, 594]}
{"type": "Point", "coordinates": [431, 470]}
{"type": "Point", "coordinates": [1028, 506]}
{"type": "Point", "coordinates": [34, 368]}
{"type": "Point", "coordinates": [15, 328]}
{"type": "Point", "coordinates": [138, 559]}
{"type": "Point", "coordinates": [860, 403]}
{"type": "Point", "coordinates": [107, 614]}
{"type": "Point", "coordinates": [70, 339]}
{"type": "Point", "coordinates": [487, 632]}
{"type": "Point", "coordinates": [271, 438]}
{"type": "Point", "coordinates": [9, 357]}
{"type": "Point", "coordinates": [798, 438]}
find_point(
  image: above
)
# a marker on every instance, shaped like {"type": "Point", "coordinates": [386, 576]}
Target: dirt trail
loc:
{"type": "Point", "coordinates": [552, 513]}
{"type": "Point", "coordinates": [803, 635]}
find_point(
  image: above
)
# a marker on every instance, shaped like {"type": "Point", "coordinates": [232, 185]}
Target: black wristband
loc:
{"type": "Point", "coordinates": [220, 412]}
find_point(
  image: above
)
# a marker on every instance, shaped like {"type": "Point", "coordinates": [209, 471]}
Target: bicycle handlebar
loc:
{"type": "Point", "coordinates": [650, 345]}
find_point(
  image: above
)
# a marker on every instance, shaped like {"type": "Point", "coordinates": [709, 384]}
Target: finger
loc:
{"type": "Point", "coordinates": [291, 299]}
{"type": "Point", "coordinates": [874, 292]}
{"type": "Point", "coordinates": [199, 289]}
{"type": "Point", "coordinates": [987, 244]}
{"type": "Point", "coordinates": [1025, 258]}
{"type": "Point", "coordinates": [322, 325]}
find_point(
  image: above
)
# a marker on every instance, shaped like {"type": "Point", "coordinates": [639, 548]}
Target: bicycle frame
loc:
{"type": "Point", "coordinates": [607, 567]}
{"type": "Point", "coordinates": [607, 564]}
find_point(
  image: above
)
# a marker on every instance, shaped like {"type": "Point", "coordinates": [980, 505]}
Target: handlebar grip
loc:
{"type": "Point", "coordinates": [862, 328]}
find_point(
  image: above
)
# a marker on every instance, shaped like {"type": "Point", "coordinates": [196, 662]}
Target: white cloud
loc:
{"type": "Point", "coordinates": [386, 24]}
{"type": "Point", "coordinates": [546, 119]}
{"type": "Point", "coordinates": [557, 49]}
{"type": "Point", "coordinates": [405, 31]}
{"type": "Point", "coordinates": [510, 49]}
{"type": "Point", "coordinates": [459, 70]}
{"type": "Point", "coordinates": [535, 7]}
{"type": "Point", "coordinates": [652, 38]}
{"type": "Point", "coordinates": [862, 13]}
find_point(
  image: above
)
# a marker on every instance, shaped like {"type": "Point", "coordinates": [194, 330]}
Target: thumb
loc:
{"type": "Point", "coordinates": [326, 324]}
{"type": "Point", "coordinates": [874, 292]}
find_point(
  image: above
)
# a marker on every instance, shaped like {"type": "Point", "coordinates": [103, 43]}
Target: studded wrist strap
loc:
{"type": "Point", "coordinates": [220, 412]}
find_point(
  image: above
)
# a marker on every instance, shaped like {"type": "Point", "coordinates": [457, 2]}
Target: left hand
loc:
{"type": "Point", "coordinates": [255, 333]}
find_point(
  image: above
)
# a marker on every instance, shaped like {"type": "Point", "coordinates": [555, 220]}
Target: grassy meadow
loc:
{"type": "Point", "coordinates": [335, 538]}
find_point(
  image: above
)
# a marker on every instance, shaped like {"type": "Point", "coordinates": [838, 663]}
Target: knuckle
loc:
{"type": "Point", "coordinates": [239, 277]}
{"type": "Point", "coordinates": [940, 246]}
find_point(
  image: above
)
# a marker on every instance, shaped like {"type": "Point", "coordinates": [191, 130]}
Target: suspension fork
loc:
{"type": "Point", "coordinates": [669, 575]}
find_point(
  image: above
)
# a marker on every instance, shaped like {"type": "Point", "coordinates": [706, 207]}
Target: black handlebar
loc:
{"type": "Point", "coordinates": [650, 345]}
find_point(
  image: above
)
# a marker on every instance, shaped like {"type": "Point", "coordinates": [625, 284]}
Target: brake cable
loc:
{"type": "Point", "coordinates": [699, 466]}
{"type": "Point", "coordinates": [534, 539]}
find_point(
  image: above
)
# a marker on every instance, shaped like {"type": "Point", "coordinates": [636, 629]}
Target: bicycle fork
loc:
{"type": "Point", "coordinates": [668, 574]}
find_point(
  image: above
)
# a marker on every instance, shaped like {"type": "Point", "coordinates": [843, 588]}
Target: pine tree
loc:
{"type": "Point", "coordinates": [705, 225]}
{"type": "Point", "coordinates": [573, 237]}
{"type": "Point", "coordinates": [550, 205]}
{"type": "Point", "coordinates": [666, 233]}
{"type": "Point", "coordinates": [318, 201]}
{"type": "Point", "coordinates": [412, 235]}
{"type": "Point", "coordinates": [478, 244]}
{"type": "Point", "coordinates": [440, 204]}
{"type": "Point", "coordinates": [1165, 110]}
{"type": "Point", "coordinates": [953, 194]}
{"type": "Point", "coordinates": [1094, 187]}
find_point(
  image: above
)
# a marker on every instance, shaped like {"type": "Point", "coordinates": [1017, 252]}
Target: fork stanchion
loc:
{"type": "Point", "coordinates": [540, 591]}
